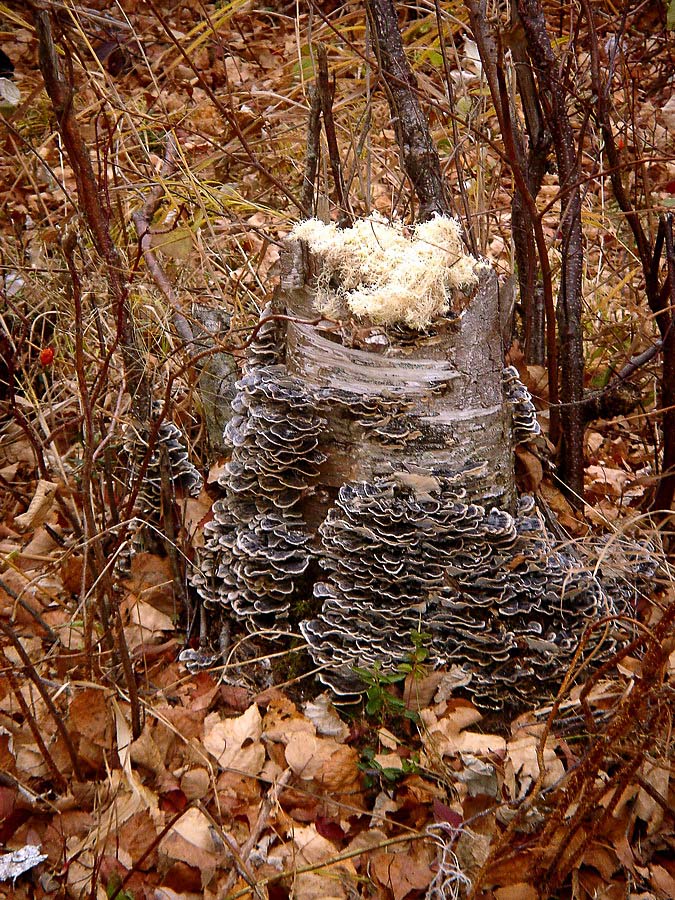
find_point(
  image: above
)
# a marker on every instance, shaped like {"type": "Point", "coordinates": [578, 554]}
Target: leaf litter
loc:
{"type": "Point", "coordinates": [229, 793]}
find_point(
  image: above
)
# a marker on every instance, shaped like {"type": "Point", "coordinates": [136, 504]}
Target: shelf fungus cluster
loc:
{"type": "Point", "coordinates": [371, 480]}
{"type": "Point", "coordinates": [256, 548]}
{"type": "Point", "coordinates": [168, 450]}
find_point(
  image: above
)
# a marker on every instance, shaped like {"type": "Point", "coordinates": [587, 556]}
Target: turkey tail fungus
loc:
{"type": "Point", "coordinates": [373, 468]}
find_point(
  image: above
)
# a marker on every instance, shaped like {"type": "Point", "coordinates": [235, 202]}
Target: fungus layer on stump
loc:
{"type": "Point", "coordinates": [169, 448]}
{"type": "Point", "coordinates": [373, 466]}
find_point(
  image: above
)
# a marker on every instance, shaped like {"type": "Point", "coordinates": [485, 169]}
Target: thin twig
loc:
{"type": "Point", "coordinates": [44, 694]}
{"type": "Point", "coordinates": [312, 151]}
{"type": "Point", "coordinates": [326, 97]}
{"type": "Point", "coordinates": [142, 219]}
{"type": "Point", "coordinates": [271, 798]}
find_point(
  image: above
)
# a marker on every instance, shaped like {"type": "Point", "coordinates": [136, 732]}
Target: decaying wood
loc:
{"type": "Point", "coordinates": [448, 384]}
{"type": "Point", "coordinates": [371, 479]}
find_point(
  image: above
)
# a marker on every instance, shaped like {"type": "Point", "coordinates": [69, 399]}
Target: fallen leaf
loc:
{"type": "Point", "coordinates": [235, 742]}
{"type": "Point", "coordinates": [90, 716]}
{"type": "Point", "coordinates": [401, 872]}
{"type": "Point", "coordinates": [521, 753]}
{"type": "Point", "coordinates": [146, 623]}
{"type": "Point", "coordinates": [190, 841]}
{"type": "Point", "coordinates": [663, 880]}
{"type": "Point", "coordinates": [657, 774]}
{"type": "Point", "coordinates": [282, 720]}
{"type": "Point", "coordinates": [446, 737]}
{"type": "Point", "coordinates": [606, 481]}
{"type": "Point", "coordinates": [39, 508]}
{"type": "Point", "coordinates": [520, 891]}
{"type": "Point", "coordinates": [529, 470]}
{"type": "Point", "coordinates": [322, 760]}
{"type": "Point", "coordinates": [323, 715]}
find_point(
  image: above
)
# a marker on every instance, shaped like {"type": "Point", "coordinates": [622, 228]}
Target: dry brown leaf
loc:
{"type": "Point", "coordinates": [520, 891]}
{"type": "Point", "coordinates": [190, 841]}
{"type": "Point", "coordinates": [40, 506]}
{"type": "Point", "coordinates": [324, 760]}
{"type": "Point", "coordinates": [389, 761]}
{"type": "Point", "coordinates": [41, 545]}
{"type": "Point", "coordinates": [594, 441]}
{"type": "Point", "coordinates": [195, 783]}
{"type": "Point", "coordinates": [662, 880]}
{"type": "Point", "coordinates": [446, 737]}
{"type": "Point", "coordinates": [606, 481]}
{"type": "Point", "coordinates": [603, 859]}
{"type": "Point", "coordinates": [529, 470]}
{"type": "Point", "coordinates": [521, 753]}
{"type": "Point", "coordinates": [562, 509]}
{"type": "Point", "coordinates": [282, 720]}
{"type": "Point", "coordinates": [656, 773]}
{"type": "Point", "coordinates": [151, 580]}
{"type": "Point", "coordinates": [472, 850]}
{"type": "Point", "coordinates": [419, 692]}
{"type": "Point", "coordinates": [308, 847]}
{"type": "Point", "coordinates": [235, 742]}
{"type": "Point", "coordinates": [145, 752]}
{"type": "Point", "coordinates": [402, 872]}
{"type": "Point", "coordinates": [315, 886]}
{"type": "Point", "coordinates": [323, 715]}
{"type": "Point", "coordinates": [147, 624]}
{"type": "Point", "coordinates": [90, 715]}
{"type": "Point", "coordinates": [384, 804]}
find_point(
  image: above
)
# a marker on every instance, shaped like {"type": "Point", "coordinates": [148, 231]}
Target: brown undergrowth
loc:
{"type": "Point", "coordinates": [153, 162]}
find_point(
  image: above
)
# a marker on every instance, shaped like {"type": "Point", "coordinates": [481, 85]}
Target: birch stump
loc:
{"type": "Point", "coordinates": [372, 475]}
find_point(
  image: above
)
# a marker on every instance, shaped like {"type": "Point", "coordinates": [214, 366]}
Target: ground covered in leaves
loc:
{"type": "Point", "coordinates": [247, 782]}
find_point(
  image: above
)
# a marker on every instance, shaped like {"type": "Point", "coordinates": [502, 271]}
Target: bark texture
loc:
{"type": "Point", "coordinates": [443, 392]}
{"type": "Point", "coordinates": [418, 153]}
{"type": "Point", "coordinates": [554, 98]}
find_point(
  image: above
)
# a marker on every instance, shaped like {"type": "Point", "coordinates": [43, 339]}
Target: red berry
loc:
{"type": "Point", "coordinates": [47, 356]}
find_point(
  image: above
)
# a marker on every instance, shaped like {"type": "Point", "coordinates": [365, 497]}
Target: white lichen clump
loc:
{"type": "Point", "coordinates": [385, 274]}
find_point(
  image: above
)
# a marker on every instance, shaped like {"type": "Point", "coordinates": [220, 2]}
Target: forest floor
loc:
{"type": "Point", "coordinates": [236, 788]}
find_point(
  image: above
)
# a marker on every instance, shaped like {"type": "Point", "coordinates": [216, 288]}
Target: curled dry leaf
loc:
{"type": "Point", "coordinates": [521, 764]}
{"type": "Point", "coordinates": [331, 882]}
{"type": "Point", "coordinates": [656, 773]}
{"type": "Point", "coordinates": [323, 760]}
{"type": "Point", "coordinates": [520, 891]}
{"type": "Point", "coordinates": [323, 715]}
{"type": "Point", "coordinates": [446, 736]}
{"type": "Point", "coordinates": [607, 481]}
{"type": "Point", "coordinates": [146, 623]}
{"type": "Point", "coordinates": [190, 841]}
{"type": "Point", "coordinates": [283, 720]}
{"type": "Point", "coordinates": [403, 872]}
{"type": "Point", "coordinates": [90, 716]}
{"type": "Point", "coordinates": [235, 743]}
{"type": "Point", "coordinates": [40, 506]}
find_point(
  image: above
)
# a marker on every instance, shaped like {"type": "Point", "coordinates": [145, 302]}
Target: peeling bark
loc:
{"type": "Point", "coordinates": [448, 385]}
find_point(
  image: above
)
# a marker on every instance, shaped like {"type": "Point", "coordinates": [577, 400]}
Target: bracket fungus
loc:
{"type": "Point", "coordinates": [169, 447]}
{"type": "Point", "coordinates": [372, 471]}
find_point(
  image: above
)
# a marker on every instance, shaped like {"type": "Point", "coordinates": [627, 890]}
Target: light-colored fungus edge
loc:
{"type": "Point", "coordinates": [386, 275]}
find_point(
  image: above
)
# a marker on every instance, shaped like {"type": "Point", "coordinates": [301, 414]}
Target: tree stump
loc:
{"type": "Point", "coordinates": [372, 482]}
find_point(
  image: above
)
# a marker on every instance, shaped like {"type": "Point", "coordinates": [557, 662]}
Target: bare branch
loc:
{"type": "Point", "coordinates": [419, 155]}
